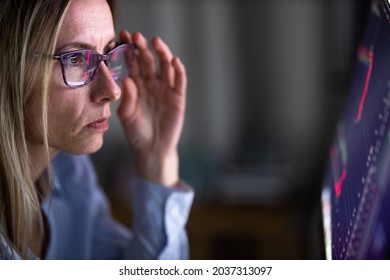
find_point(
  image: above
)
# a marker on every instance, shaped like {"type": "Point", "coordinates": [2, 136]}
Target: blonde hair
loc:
{"type": "Point", "coordinates": [27, 28]}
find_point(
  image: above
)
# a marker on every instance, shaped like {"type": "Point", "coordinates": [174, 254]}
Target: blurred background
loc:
{"type": "Point", "coordinates": [267, 83]}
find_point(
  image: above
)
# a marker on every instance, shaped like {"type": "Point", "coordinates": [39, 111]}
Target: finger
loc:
{"type": "Point", "coordinates": [165, 56]}
{"type": "Point", "coordinates": [180, 76]}
{"type": "Point", "coordinates": [125, 37]}
{"type": "Point", "coordinates": [145, 55]}
{"type": "Point", "coordinates": [128, 103]}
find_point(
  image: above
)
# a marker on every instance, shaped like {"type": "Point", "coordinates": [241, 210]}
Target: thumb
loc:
{"type": "Point", "coordinates": [128, 104]}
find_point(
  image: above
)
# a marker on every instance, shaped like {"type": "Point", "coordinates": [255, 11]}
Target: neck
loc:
{"type": "Point", "coordinates": [39, 160]}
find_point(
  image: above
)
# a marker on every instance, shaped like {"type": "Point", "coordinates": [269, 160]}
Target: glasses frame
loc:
{"type": "Point", "coordinates": [101, 57]}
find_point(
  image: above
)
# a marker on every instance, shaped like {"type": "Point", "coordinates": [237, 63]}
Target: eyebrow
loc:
{"type": "Point", "coordinates": [82, 46]}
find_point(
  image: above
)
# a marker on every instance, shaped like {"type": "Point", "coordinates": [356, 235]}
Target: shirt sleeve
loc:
{"type": "Point", "coordinates": [160, 216]}
{"type": "Point", "coordinates": [82, 226]}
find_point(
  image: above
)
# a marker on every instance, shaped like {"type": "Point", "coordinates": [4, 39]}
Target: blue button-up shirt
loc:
{"type": "Point", "coordinates": [82, 227]}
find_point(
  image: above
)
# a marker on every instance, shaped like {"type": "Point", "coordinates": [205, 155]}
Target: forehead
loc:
{"type": "Point", "coordinates": [88, 21]}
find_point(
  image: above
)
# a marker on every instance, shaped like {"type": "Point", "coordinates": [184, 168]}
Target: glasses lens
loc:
{"type": "Point", "coordinates": [119, 61]}
{"type": "Point", "coordinates": [79, 67]}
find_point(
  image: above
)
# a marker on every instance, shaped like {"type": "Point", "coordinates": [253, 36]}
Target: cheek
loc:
{"type": "Point", "coordinates": [64, 104]}
{"type": "Point", "coordinates": [68, 114]}
{"type": "Point", "coordinates": [57, 114]}
{"type": "Point", "coordinates": [64, 111]}
{"type": "Point", "coordinates": [57, 84]}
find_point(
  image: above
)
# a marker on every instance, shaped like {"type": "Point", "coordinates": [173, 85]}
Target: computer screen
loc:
{"type": "Point", "coordinates": [356, 190]}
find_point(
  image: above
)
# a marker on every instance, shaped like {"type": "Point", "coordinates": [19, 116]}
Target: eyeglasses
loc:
{"type": "Point", "coordinates": [79, 67]}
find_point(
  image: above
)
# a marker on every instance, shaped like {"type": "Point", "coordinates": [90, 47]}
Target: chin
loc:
{"type": "Point", "coordinates": [87, 147]}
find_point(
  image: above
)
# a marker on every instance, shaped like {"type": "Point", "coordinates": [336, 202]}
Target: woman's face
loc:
{"type": "Point", "coordinates": [78, 117]}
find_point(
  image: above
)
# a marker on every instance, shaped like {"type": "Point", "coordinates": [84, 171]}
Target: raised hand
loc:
{"type": "Point", "coordinates": [152, 109]}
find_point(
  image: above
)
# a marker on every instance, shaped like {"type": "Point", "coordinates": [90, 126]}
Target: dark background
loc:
{"type": "Point", "coordinates": [267, 82]}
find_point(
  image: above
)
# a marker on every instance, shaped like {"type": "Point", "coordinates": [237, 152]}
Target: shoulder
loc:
{"type": "Point", "coordinates": [6, 250]}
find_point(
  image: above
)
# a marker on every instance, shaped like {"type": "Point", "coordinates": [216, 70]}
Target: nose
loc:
{"type": "Point", "coordinates": [105, 89]}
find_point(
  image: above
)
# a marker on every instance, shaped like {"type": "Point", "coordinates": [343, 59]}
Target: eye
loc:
{"type": "Point", "coordinates": [75, 59]}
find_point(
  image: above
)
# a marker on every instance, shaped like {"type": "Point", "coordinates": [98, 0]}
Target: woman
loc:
{"type": "Point", "coordinates": [59, 67]}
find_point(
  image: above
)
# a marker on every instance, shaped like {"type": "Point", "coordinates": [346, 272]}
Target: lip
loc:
{"type": "Point", "coordinates": [100, 124]}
